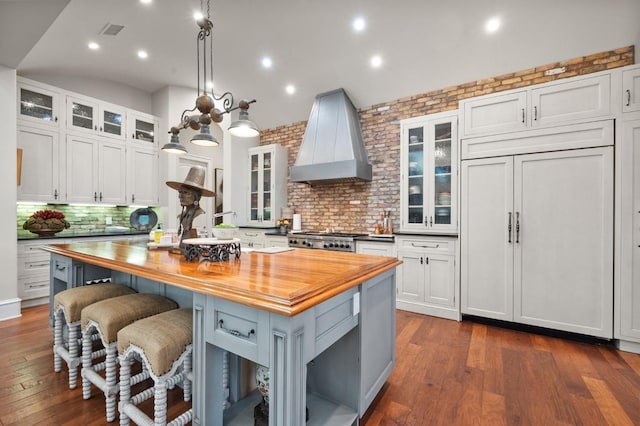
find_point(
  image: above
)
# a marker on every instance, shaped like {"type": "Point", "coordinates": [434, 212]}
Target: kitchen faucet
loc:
{"type": "Point", "coordinates": [217, 215]}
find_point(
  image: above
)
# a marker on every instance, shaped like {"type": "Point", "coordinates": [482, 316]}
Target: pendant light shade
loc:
{"type": "Point", "coordinates": [174, 146]}
{"type": "Point", "coordinates": [205, 137]}
{"type": "Point", "coordinates": [243, 127]}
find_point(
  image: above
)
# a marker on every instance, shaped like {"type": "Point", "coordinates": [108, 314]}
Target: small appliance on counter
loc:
{"type": "Point", "coordinates": [143, 219]}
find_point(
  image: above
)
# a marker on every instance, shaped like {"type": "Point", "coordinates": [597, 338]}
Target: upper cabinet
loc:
{"type": "Point", "coordinates": [142, 128]}
{"type": "Point", "coordinates": [38, 104]}
{"type": "Point", "coordinates": [560, 102]}
{"type": "Point", "coordinates": [428, 181]}
{"type": "Point", "coordinates": [267, 184]}
{"type": "Point", "coordinates": [40, 176]}
{"type": "Point", "coordinates": [90, 116]}
{"type": "Point", "coordinates": [631, 90]}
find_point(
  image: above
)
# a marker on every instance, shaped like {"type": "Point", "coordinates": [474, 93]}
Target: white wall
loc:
{"type": "Point", "coordinates": [9, 302]}
{"type": "Point", "coordinates": [109, 91]}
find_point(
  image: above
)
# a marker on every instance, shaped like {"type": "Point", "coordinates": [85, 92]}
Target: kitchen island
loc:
{"type": "Point", "coordinates": [322, 322]}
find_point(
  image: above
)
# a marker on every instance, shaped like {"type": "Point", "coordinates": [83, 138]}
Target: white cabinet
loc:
{"type": "Point", "coordinates": [142, 128]}
{"type": "Point", "coordinates": [276, 241]}
{"type": "Point", "coordinates": [95, 172]}
{"type": "Point", "coordinates": [427, 279]}
{"type": "Point", "coordinates": [428, 180]}
{"type": "Point", "coordinates": [627, 304]}
{"type": "Point", "coordinates": [40, 177]}
{"type": "Point", "coordinates": [38, 104]}
{"type": "Point", "coordinates": [376, 248]}
{"type": "Point", "coordinates": [537, 239]}
{"type": "Point", "coordinates": [94, 117]}
{"type": "Point", "coordinates": [631, 89]}
{"type": "Point", "coordinates": [564, 101]}
{"type": "Point", "coordinates": [252, 238]}
{"type": "Point", "coordinates": [142, 176]}
{"type": "Point", "coordinates": [267, 184]}
{"type": "Point", "coordinates": [33, 272]}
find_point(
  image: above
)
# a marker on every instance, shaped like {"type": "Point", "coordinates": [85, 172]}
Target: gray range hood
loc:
{"type": "Point", "coordinates": [332, 148]}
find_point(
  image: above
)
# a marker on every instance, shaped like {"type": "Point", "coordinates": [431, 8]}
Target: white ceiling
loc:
{"type": "Point", "coordinates": [425, 44]}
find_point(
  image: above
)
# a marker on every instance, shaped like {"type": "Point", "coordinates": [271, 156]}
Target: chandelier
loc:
{"type": "Point", "coordinates": [243, 127]}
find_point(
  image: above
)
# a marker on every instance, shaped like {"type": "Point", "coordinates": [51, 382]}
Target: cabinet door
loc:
{"type": "Point", "coordinates": [443, 176]}
{"type": "Point", "coordinates": [39, 179]}
{"type": "Point", "coordinates": [261, 184]}
{"type": "Point", "coordinates": [142, 179]}
{"type": "Point", "coordinates": [571, 101]}
{"type": "Point", "coordinates": [563, 268]}
{"type": "Point", "coordinates": [495, 114]}
{"type": "Point", "coordinates": [628, 301]}
{"type": "Point", "coordinates": [112, 173]}
{"type": "Point", "coordinates": [631, 90]}
{"type": "Point", "coordinates": [411, 276]}
{"type": "Point", "coordinates": [112, 121]}
{"type": "Point", "coordinates": [440, 277]}
{"type": "Point", "coordinates": [81, 172]}
{"type": "Point", "coordinates": [143, 128]}
{"type": "Point", "coordinates": [376, 248]}
{"type": "Point", "coordinates": [37, 105]}
{"type": "Point", "coordinates": [82, 115]}
{"type": "Point", "coordinates": [414, 168]}
{"type": "Point", "coordinates": [487, 236]}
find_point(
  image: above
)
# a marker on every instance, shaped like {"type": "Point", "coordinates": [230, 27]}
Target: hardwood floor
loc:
{"type": "Point", "coordinates": [447, 373]}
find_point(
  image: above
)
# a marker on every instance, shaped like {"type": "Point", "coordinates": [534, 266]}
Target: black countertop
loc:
{"type": "Point", "coordinates": [69, 233]}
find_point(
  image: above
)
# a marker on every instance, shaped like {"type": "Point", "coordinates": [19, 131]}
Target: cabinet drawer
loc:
{"type": "Point", "coordinates": [60, 268]}
{"type": "Point", "coordinates": [33, 287]}
{"type": "Point", "coordinates": [31, 248]}
{"type": "Point", "coordinates": [35, 264]}
{"type": "Point", "coordinates": [431, 244]}
{"type": "Point", "coordinates": [334, 318]}
{"type": "Point", "coordinates": [239, 329]}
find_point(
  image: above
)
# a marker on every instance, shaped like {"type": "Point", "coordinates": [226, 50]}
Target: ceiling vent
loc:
{"type": "Point", "coordinates": [111, 29]}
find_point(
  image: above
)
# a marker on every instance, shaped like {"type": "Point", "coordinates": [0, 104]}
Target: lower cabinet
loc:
{"type": "Point", "coordinates": [627, 292]}
{"type": "Point", "coordinates": [252, 238]}
{"type": "Point", "coordinates": [276, 241]}
{"type": "Point", "coordinates": [377, 248]}
{"type": "Point", "coordinates": [427, 279]}
{"type": "Point", "coordinates": [33, 272]}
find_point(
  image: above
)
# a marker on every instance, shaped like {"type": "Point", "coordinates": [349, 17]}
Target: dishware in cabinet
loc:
{"type": "Point", "coordinates": [38, 104]}
{"type": "Point", "coordinates": [91, 116]}
{"type": "Point", "coordinates": [428, 178]}
{"type": "Point", "coordinates": [267, 184]}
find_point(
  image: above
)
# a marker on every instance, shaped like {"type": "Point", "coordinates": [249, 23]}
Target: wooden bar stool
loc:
{"type": "Point", "coordinates": [164, 343]}
{"type": "Point", "coordinates": [67, 307]}
{"type": "Point", "coordinates": [106, 318]}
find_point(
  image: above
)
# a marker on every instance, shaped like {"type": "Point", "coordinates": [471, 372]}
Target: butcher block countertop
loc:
{"type": "Point", "coordinates": [286, 283]}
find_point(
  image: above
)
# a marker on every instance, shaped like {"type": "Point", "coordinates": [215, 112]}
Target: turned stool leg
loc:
{"type": "Point", "coordinates": [125, 388]}
{"type": "Point", "coordinates": [74, 331]}
{"type": "Point", "coordinates": [111, 381]}
{"type": "Point", "coordinates": [87, 348]}
{"type": "Point", "coordinates": [160, 403]}
{"type": "Point", "coordinates": [57, 340]}
{"type": "Point", "coordinates": [186, 369]}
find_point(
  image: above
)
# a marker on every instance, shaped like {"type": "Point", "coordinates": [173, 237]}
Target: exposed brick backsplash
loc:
{"type": "Point", "coordinates": [330, 206]}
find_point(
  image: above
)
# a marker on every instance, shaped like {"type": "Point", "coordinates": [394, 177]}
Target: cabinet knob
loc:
{"type": "Point", "coordinates": [628, 97]}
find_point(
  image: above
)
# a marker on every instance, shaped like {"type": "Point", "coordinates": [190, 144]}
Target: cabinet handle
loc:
{"type": "Point", "coordinates": [95, 127]}
{"type": "Point", "coordinates": [509, 228]}
{"type": "Point", "coordinates": [523, 115]}
{"type": "Point", "coordinates": [56, 119]}
{"type": "Point", "coordinates": [421, 261]}
{"type": "Point", "coordinates": [95, 196]}
{"type": "Point", "coordinates": [235, 332]}
{"type": "Point", "coordinates": [100, 195]}
{"type": "Point", "coordinates": [628, 97]}
{"type": "Point", "coordinates": [133, 135]}
{"type": "Point", "coordinates": [427, 260]}
{"type": "Point", "coordinates": [426, 222]}
{"type": "Point", "coordinates": [535, 113]}
{"type": "Point", "coordinates": [55, 194]}
{"type": "Point", "coordinates": [133, 198]}
{"type": "Point", "coordinates": [430, 221]}
{"type": "Point", "coordinates": [61, 267]}
{"type": "Point", "coordinates": [517, 227]}
{"type": "Point", "coordinates": [425, 246]}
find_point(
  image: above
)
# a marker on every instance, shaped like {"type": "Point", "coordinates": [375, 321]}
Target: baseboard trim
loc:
{"type": "Point", "coordinates": [9, 309]}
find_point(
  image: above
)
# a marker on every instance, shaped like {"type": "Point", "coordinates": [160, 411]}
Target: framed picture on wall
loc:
{"type": "Point", "coordinates": [218, 201]}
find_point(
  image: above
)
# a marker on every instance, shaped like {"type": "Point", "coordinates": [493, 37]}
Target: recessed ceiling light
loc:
{"type": "Point", "coordinates": [145, 1]}
{"type": "Point", "coordinates": [93, 45]}
{"type": "Point", "coordinates": [142, 54]}
{"type": "Point", "coordinates": [267, 62]}
{"type": "Point", "coordinates": [290, 89]}
{"type": "Point", "coordinates": [376, 61]}
{"type": "Point", "coordinates": [359, 24]}
{"type": "Point", "coordinates": [492, 25]}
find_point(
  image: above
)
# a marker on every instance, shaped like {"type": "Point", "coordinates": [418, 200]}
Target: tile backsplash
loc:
{"type": "Point", "coordinates": [87, 219]}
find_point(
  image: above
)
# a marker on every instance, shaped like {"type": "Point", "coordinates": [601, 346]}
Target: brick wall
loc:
{"type": "Point", "coordinates": [355, 207]}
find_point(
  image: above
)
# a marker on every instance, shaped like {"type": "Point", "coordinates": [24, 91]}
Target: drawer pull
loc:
{"type": "Point", "coordinates": [425, 246]}
{"type": "Point", "coordinates": [61, 267]}
{"type": "Point", "coordinates": [235, 332]}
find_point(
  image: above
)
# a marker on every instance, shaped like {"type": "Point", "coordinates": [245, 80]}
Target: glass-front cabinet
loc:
{"type": "Point", "coordinates": [429, 173]}
{"type": "Point", "coordinates": [143, 128]}
{"type": "Point", "coordinates": [90, 116]}
{"type": "Point", "coordinates": [37, 103]}
{"type": "Point", "coordinates": [267, 184]}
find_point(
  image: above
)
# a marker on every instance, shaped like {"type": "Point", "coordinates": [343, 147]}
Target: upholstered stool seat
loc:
{"type": "Point", "coordinates": [164, 343]}
{"type": "Point", "coordinates": [106, 318]}
{"type": "Point", "coordinates": [67, 307]}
